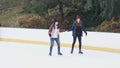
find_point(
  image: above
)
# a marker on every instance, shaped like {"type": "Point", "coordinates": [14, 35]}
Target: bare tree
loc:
{"type": "Point", "coordinates": [61, 10]}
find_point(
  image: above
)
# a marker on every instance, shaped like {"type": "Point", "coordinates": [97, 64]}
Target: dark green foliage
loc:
{"type": "Point", "coordinates": [93, 12]}
{"type": "Point", "coordinates": [4, 4]}
{"type": "Point", "coordinates": [39, 6]}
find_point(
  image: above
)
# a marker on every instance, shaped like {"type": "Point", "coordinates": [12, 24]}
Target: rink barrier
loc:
{"type": "Point", "coordinates": [112, 50]}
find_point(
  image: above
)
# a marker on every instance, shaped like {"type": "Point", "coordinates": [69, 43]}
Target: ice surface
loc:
{"type": "Point", "coordinates": [21, 55]}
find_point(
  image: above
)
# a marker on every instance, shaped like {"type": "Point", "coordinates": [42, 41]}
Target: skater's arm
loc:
{"type": "Point", "coordinates": [62, 30]}
{"type": "Point", "coordinates": [50, 29]}
{"type": "Point", "coordinates": [71, 27]}
{"type": "Point", "coordinates": [83, 29]}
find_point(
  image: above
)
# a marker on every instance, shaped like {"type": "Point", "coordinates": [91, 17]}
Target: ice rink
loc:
{"type": "Point", "coordinates": [19, 55]}
{"type": "Point", "coordinates": [29, 48]}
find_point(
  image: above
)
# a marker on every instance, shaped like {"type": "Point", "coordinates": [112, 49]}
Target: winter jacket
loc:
{"type": "Point", "coordinates": [51, 30]}
{"type": "Point", "coordinates": [73, 29]}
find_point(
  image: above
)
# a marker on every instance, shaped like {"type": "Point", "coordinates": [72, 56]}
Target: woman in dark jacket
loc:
{"type": "Point", "coordinates": [77, 29]}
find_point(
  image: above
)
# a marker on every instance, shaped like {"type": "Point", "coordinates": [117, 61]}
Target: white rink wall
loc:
{"type": "Point", "coordinates": [100, 39]}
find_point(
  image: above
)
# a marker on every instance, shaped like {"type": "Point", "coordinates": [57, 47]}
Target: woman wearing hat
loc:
{"type": "Point", "coordinates": [77, 29]}
{"type": "Point", "coordinates": [53, 32]}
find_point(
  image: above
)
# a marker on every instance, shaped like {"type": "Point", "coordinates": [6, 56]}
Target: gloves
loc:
{"type": "Point", "coordinates": [49, 35]}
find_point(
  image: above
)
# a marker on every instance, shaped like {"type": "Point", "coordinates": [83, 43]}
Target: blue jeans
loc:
{"type": "Point", "coordinates": [52, 44]}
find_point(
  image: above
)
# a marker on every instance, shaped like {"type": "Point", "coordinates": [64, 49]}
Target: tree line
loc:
{"type": "Point", "coordinates": [91, 11]}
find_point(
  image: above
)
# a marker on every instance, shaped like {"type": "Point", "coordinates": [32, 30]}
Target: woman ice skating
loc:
{"type": "Point", "coordinates": [54, 36]}
{"type": "Point", "coordinates": [77, 29]}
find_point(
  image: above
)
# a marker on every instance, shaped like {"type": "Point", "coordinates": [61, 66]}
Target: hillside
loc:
{"type": "Point", "coordinates": [9, 11]}
{"type": "Point", "coordinates": [97, 15]}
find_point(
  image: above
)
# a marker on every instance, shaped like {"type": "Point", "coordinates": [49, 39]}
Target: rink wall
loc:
{"type": "Point", "coordinates": [102, 41]}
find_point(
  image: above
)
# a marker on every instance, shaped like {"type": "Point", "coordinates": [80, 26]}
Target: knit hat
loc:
{"type": "Point", "coordinates": [55, 20]}
{"type": "Point", "coordinates": [77, 17]}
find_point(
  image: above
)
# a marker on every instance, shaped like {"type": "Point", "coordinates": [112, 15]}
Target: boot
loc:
{"type": "Point", "coordinates": [50, 54]}
{"type": "Point", "coordinates": [80, 52]}
{"type": "Point", "coordinates": [59, 53]}
{"type": "Point", "coordinates": [71, 51]}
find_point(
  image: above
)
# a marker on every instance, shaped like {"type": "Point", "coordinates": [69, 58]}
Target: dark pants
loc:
{"type": "Point", "coordinates": [52, 44]}
{"type": "Point", "coordinates": [74, 41]}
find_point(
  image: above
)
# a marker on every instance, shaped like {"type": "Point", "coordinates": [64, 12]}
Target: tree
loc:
{"type": "Point", "coordinates": [107, 12]}
{"type": "Point", "coordinates": [61, 10]}
{"type": "Point", "coordinates": [92, 12]}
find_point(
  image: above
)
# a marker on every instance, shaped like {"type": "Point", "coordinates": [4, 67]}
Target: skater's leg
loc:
{"type": "Point", "coordinates": [74, 40]}
{"type": "Point", "coordinates": [58, 44]}
{"type": "Point", "coordinates": [80, 44]}
{"type": "Point", "coordinates": [51, 46]}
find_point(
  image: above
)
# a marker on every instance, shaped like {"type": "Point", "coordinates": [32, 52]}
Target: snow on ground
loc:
{"type": "Point", "coordinates": [21, 55]}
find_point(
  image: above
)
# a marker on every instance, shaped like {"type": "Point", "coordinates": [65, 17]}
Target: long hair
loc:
{"type": "Point", "coordinates": [80, 23]}
{"type": "Point", "coordinates": [56, 20]}
{"type": "Point", "coordinates": [58, 26]}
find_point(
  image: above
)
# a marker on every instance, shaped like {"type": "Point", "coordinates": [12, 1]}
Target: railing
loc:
{"type": "Point", "coordinates": [101, 41]}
